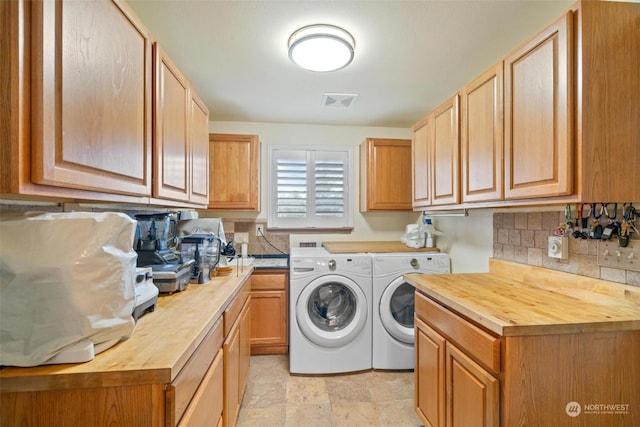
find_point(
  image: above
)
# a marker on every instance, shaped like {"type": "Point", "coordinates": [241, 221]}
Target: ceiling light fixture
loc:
{"type": "Point", "coordinates": [321, 47]}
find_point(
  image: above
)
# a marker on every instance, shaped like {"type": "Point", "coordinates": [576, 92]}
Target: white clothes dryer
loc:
{"type": "Point", "coordinates": [394, 305]}
{"type": "Point", "coordinates": [330, 312]}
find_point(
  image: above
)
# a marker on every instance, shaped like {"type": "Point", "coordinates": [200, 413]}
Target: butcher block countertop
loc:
{"type": "Point", "coordinates": [156, 352]}
{"type": "Point", "coordinates": [516, 300]}
{"type": "Point", "coordinates": [375, 247]}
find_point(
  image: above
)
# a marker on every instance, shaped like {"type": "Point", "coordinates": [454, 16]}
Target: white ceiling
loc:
{"type": "Point", "coordinates": [409, 55]}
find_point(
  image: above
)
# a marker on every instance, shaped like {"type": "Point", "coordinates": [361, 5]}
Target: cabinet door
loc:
{"type": "Point", "coordinates": [445, 170]}
{"type": "Point", "coordinates": [385, 175]}
{"type": "Point", "coordinates": [245, 348]}
{"type": "Point", "coordinates": [231, 350]}
{"type": "Point", "coordinates": [430, 375]}
{"type": "Point", "coordinates": [234, 178]}
{"type": "Point", "coordinates": [269, 326]}
{"type": "Point", "coordinates": [473, 393]}
{"type": "Point", "coordinates": [91, 97]}
{"type": "Point", "coordinates": [420, 158]}
{"type": "Point", "coordinates": [481, 137]}
{"type": "Point", "coordinates": [206, 407]}
{"type": "Point", "coordinates": [199, 143]}
{"type": "Point", "coordinates": [538, 115]}
{"type": "Point", "coordinates": [171, 164]}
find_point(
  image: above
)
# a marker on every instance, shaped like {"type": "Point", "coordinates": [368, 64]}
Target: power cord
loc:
{"type": "Point", "coordinates": [269, 243]}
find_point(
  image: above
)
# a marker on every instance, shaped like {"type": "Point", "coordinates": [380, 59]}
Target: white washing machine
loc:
{"type": "Point", "coordinates": [330, 312]}
{"type": "Point", "coordinates": [393, 305]}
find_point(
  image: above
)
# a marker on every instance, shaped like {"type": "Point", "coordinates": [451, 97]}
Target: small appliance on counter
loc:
{"type": "Point", "coordinates": [155, 235]}
{"type": "Point", "coordinates": [169, 278]}
{"type": "Point", "coordinates": [204, 250]}
{"type": "Point", "coordinates": [146, 292]}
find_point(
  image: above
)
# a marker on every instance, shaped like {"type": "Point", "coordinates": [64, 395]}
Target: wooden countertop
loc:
{"type": "Point", "coordinates": [377, 247]}
{"type": "Point", "coordinates": [158, 349]}
{"type": "Point", "coordinates": [515, 299]}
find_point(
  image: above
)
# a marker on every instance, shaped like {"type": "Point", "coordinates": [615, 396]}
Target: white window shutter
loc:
{"type": "Point", "coordinates": [310, 188]}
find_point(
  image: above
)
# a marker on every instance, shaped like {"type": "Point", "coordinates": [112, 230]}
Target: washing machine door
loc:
{"type": "Point", "coordinates": [397, 307]}
{"type": "Point", "coordinates": [331, 311]}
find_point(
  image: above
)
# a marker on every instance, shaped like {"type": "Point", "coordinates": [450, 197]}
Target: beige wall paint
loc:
{"type": "Point", "coordinates": [468, 240]}
{"type": "Point", "coordinates": [367, 226]}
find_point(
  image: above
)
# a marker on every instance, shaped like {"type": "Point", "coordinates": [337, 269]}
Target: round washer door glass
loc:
{"type": "Point", "coordinates": [331, 311]}
{"type": "Point", "coordinates": [397, 307]}
{"type": "Point", "coordinates": [332, 306]}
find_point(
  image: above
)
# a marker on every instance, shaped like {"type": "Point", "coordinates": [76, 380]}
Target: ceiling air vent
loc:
{"type": "Point", "coordinates": [338, 100]}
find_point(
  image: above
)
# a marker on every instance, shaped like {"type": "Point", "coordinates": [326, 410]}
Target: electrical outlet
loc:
{"type": "Point", "coordinates": [259, 230]}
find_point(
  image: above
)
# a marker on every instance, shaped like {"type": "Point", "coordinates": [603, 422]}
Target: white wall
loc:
{"type": "Point", "coordinates": [468, 239]}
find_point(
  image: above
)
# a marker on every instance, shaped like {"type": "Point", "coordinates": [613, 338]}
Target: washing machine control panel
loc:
{"type": "Point", "coordinates": [436, 263]}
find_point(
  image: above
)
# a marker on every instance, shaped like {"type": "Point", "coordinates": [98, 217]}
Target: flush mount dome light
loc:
{"type": "Point", "coordinates": [321, 47]}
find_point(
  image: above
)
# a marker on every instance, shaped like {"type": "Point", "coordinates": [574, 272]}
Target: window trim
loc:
{"type": "Point", "coordinates": [346, 225]}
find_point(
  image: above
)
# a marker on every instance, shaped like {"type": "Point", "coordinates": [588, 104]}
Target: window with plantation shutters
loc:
{"type": "Point", "coordinates": [309, 188]}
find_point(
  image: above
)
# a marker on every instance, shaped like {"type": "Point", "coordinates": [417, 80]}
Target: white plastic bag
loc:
{"type": "Point", "coordinates": [66, 279]}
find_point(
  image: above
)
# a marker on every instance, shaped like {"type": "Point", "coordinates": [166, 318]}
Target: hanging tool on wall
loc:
{"type": "Point", "coordinates": [566, 227]}
{"type": "Point", "coordinates": [629, 214]}
{"type": "Point", "coordinates": [595, 231]}
{"type": "Point", "coordinates": [582, 221]}
{"type": "Point", "coordinates": [613, 226]}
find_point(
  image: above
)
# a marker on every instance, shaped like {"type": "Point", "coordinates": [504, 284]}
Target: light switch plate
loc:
{"type": "Point", "coordinates": [558, 247]}
{"type": "Point", "coordinates": [241, 237]}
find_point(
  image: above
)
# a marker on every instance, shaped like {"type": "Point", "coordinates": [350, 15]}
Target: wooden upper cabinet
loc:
{"type": "Point", "coordinates": [608, 83]}
{"type": "Point", "coordinates": [385, 175]}
{"type": "Point", "coordinates": [235, 172]}
{"type": "Point", "coordinates": [199, 143]}
{"type": "Point", "coordinates": [172, 102]}
{"type": "Point", "coordinates": [90, 97]}
{"type": "Point", "coordinates": [539, 144]}
{"type": "Point", "coordinates": [445, 167]}
{"type": "Point", "coordinates": [420, 157]}
{"type": "Point", "coordinates": [481, 137]}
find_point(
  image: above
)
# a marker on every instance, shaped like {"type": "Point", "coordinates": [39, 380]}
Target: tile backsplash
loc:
{"type": "Point", "coordinates": [523, 237]}
{"type": "Point", "coordinates": [257, 245]}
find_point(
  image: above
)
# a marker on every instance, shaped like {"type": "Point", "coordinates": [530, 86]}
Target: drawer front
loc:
{"type": "Point", "coordinates": [478, 344]}
{"type": "Point", "coordinates": [206, 406]}
{"type": "Point", "coordinates": [269, 281]}
{"type": "Point", "coordinates": [232, 311]}
{"type": "Point", "coordinates": [190, 377]}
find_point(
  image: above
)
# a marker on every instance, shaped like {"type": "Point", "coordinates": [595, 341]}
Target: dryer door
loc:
{"type": "Point", "coordinates": [331, 311]}
{"type": "Point", "coordinates": [397, 306]}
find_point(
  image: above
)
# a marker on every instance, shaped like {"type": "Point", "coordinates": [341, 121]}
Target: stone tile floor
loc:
{"type": "Point", "coordinates": [371, 398]}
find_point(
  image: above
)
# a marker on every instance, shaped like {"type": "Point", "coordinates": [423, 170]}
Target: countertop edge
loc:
{"type": "Point", "coordinates": [97, 373]}
{"type": "Point", "coordinates": [522, 279]}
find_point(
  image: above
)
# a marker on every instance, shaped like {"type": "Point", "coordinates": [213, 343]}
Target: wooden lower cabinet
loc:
{"type": "Point", "coordinates": [452, 389]}
{"type": "Point", "coordinates": [237, 358]}
{"type": "Point", "coordinates": [465, 376]}
{"type": "Point", "coordinates": [193, 398]}
{"type": "Point", "coordinates": [429, 375]}
{"type": "Point", "coordinates": [473, 392]}
{"type": "Point", "coordinates": [269, 312]}
{"type": "Point", "coordinates": [206, 407]}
